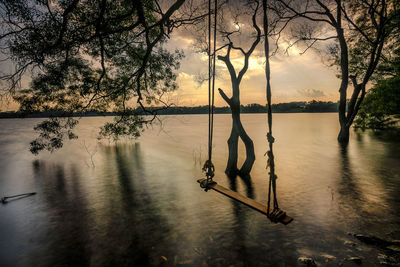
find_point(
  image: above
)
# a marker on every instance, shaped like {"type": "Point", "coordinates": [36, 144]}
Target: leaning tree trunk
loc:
{"type": "Point", "coordinates": [236, 132]}
{"type": "Point", "coordinates": [238, 128]}
{"type": "Point", "coordinates": [233, 144]}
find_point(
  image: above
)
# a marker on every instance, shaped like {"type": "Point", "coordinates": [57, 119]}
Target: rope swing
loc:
{"type": "Point", "coordinates": [271, 211]}
{"type": "Point", "coordinates": [208, 167]}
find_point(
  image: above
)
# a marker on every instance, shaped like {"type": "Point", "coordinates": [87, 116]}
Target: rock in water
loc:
{"type": "Point", "coordinates": [357, 260]}
{"type": "Point", "coordinates": [350, 244]}
{"type": "Point", "coordinates": [394, 248]}
{"type": "Point", "coordinates": [328, 257]}
{"type": "Point", "coordinates": [387, 260]}
{"type": "Point", "coordinates": [305, 261]}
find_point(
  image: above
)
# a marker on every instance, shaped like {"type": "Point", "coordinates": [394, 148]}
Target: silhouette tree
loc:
{"type": "Point", "coordinates": [90, 55]}
{"type": "Point", "coordinates": [360, 29]}
{"type": "Point", "coordinates": [234, 101]}
{"type": "Point", "coordinates": [382, 101]}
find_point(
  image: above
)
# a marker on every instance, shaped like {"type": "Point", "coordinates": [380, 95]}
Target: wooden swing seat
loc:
{"type": "Point", "coordinates": [251, 203]}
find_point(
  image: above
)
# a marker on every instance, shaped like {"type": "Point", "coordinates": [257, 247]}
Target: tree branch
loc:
{"type": "Point", "coordinates": [225, 97]}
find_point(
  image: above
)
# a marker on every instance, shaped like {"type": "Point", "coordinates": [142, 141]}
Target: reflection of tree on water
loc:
{"type": "Point", "coordinates": [387, 169]}
{"type": "Point", "coordinates": [123, 224]}
{"type": "Point", "coordinates": [67, 213]}
{"type": "Point", "coordinates": [124, 177]}
{"type": "Point", "coordinates": [241, 215]}
{"type": "Point", "coordinates": [384, 149]}
{"type": "Point", "coordinates": [359, 202]}
{"type": "Point", "coordinates": [247, 182]}
{"type": "Point", "coordinates": [250, 242]}
{"type": "Point", "coordinates": [388, 135]}
{"type": "Point", "coordinates": [134, 229]}
{"type": "Point", "coordinates": [350, 198]}
{"type": "Point", "coordinates": [347, 180]}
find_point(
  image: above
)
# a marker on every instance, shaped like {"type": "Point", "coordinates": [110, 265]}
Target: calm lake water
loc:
{"type": "Point", "coordinates": [137, 202]}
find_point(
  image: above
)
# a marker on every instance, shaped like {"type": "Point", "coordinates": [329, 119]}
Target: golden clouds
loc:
{"type": "Point", "coordinates": [290, 75]}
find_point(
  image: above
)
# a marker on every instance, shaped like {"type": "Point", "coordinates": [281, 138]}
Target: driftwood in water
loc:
{"type": "Point", "coordinates": [4, 199]}
{"type": "Point", "coordinates": [393, 245]}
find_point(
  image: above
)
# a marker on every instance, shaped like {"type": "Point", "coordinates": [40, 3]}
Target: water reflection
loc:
{"type": "Point", "coordinates": [67, 216]}
{"type": "Point", "coordinates": [125, 175]}
{"type": "Point", "coordinates": [348, 188]}
{"type": "Point", "coordinates": [248, 183]}
{"type": "Point", "coordinates": [383, 162]}
{"type": "Point", "coordinates": [132, 216]}
{"type": "Point", "coordinates": [140, 204]}
{"type": "Point", "coordinates": [350, 200]}
{"type": "Point", "coordinates": [389, 135]}
{"type": "Point", "coordinates": [240, 214]}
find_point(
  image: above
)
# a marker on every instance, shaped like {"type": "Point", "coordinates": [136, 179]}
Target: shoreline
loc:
{"type": "Point", "coordinates": [6, 115]}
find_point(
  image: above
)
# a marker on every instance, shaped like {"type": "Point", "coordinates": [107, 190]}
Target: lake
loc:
{"type": "Point", "coordinates": [137, 202]}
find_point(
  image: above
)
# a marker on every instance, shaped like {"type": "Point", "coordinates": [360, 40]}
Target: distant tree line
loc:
{"type": "Point", "coordinates": [291, 107]}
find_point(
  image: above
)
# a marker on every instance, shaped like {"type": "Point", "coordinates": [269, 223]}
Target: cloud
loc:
{"type": "Point", "coordinates": [311, 92]}
{"type": "Point", "coordinates": [289, 74]}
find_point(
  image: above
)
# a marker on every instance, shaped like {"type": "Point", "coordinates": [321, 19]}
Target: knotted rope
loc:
{"type": "Point", "coordinates": [276, 214]}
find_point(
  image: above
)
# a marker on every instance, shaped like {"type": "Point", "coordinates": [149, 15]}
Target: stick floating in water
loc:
{"type": "Point", "coordinates": [4, 199]}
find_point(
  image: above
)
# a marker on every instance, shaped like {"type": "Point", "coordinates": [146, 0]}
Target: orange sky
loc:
{"type": "Point", "coordinates": [294, 77]}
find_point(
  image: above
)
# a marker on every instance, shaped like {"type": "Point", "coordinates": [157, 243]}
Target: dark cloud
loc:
{"type": "Point", "coordinates": [311, 92]}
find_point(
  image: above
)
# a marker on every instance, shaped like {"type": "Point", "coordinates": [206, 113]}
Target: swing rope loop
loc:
{"type": "Point", "coordinates": [209, 169]}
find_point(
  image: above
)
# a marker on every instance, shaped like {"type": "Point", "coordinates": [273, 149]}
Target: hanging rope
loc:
{"type": "Point", "coordinates": [208, 167]}
{"type": "Point", "coordinates": [276, 213]}
{"type": "Point", "coordinates": [213, 75]}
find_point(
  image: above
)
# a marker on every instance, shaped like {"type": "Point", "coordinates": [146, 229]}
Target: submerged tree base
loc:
{"type": "Point", "coordinates": [344, 135]}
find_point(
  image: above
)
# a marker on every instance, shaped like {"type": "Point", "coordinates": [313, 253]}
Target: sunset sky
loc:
{"type": "Point", "coordinates": [295, 77]}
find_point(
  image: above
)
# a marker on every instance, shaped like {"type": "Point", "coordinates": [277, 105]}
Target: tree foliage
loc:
{"type": "Point", "coordinates": [90, 55]}
{"type": "Point", "coordinates": [382, 101]}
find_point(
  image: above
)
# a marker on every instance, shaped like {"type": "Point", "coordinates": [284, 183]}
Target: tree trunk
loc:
{"type": "Point", "coordinates": [234, 104]}
{"type": "Point", "coordinates": [231, 167]}
{"type": "Point", "coordinates": [344, 66]}
{"type": "Point", "coordinates": [250, 156]}
{"type": "Point", "coordinates": [344, 134]}
{"type": "Point", "coordinates": [236, 132]}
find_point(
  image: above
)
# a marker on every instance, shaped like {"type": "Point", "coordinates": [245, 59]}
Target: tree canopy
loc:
{"type": "Point", "coordinates": [90, 55]}
{"type": "Point", "coordinates": [382, 101]}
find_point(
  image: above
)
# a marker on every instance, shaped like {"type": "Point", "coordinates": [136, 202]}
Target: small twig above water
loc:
{"type": "Point", "coordinates": [91, 154]}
